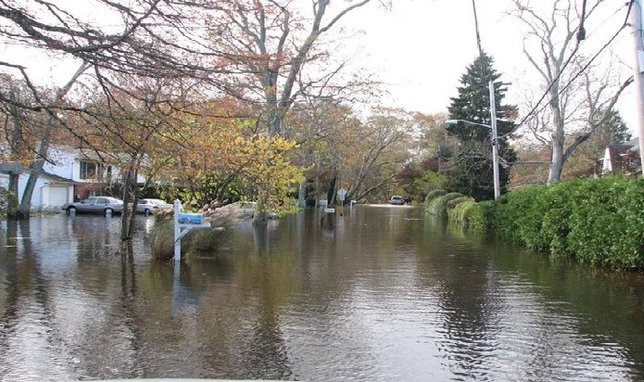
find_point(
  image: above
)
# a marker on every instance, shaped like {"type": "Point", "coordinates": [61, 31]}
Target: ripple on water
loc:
{"type": "Point", "coordinates": [379, 296]}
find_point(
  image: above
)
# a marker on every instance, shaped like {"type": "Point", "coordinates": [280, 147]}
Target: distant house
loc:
{"type": "Point", "coordinates": [69, 175]}
{"type": "Point", "coordinates": [51, 191]}
{"type": "Point", "coordinates": [624, 157]}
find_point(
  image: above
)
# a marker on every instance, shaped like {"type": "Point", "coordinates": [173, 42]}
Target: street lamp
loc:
{"type": "Point", "coordinates": [495, 149]}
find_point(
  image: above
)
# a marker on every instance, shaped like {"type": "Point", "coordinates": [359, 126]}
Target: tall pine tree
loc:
{"type": "Point", "coordinates": [472, 173]}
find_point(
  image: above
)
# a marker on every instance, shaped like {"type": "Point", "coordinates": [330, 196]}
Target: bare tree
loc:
{"type": "Point", "coordinates": [373, 153]}
{"type": "Point", "coordinates": [574, 95]}
{"type": "Point", "coordinates": [143, 38]}
{"type": "Point", "coordinates": [269, 45]}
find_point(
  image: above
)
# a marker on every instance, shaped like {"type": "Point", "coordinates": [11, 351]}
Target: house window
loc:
{"type": "Point", "coordinates": [89, 170]}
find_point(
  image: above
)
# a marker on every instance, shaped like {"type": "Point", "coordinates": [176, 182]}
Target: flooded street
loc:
{"type": "Point", "coordinates": [374, 294]}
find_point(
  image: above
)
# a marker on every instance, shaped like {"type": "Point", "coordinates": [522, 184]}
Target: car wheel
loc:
{"type": "Point", "coordinates": [71, 210]}
{"type": "Point", "coordinates": [109, 212]}
{"type": "Point", "coordinates": [147, 212]}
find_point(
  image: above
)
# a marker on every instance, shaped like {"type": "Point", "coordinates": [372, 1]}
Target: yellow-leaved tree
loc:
{"type": "Point", "coordinates": [225, 157]}
{"type": "Point", "coordinates": [268, 175]}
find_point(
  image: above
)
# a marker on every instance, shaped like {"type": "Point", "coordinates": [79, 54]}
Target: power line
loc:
{"type": "Point", "coordinates": [536, 108]}
{"type": "Point", "coordinates": [476, 26]}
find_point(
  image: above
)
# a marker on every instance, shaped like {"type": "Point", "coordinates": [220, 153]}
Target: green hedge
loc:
{"type": "Point", "coordinates": [432, 196]}
{"type": "Point", "coordinates": [597, 221]}
{"type": "Point", "coordinates": [439, 205]}
{"type": "Point", "coordinates": [471, 214]}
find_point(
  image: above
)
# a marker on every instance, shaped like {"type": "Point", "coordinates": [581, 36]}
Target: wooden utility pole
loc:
{"type": "Point", "coordinates": [636, 26]}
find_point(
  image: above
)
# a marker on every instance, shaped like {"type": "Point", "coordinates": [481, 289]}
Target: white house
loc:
{"type": "Point", "coordinates": [51, 191]}
{"type": "Point", "coordinates": [623, 157]}
{"type": "Point", "coordinates": [69, 175]}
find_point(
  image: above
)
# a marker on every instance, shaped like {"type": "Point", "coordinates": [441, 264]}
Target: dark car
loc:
{"type": "Point", "coordinates": [150, 206]}
{"type": "Point", "coordinates": [105, 205]}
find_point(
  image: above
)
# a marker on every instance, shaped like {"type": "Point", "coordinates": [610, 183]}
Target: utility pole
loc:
{"type": "Point", "coordinates": [495, 142]}
{"type": "Point", "coordinates": [636, 26]}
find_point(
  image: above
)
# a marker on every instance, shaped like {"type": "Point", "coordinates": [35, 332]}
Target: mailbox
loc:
{"type": "Point", "coordinates": [187, 218]}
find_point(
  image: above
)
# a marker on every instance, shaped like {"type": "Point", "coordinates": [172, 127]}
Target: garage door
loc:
{"type": "Point", "coordinates": [57, 196]}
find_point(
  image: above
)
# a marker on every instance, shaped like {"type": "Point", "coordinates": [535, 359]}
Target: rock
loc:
{"type": "Point", "coordinates": [233, 212]}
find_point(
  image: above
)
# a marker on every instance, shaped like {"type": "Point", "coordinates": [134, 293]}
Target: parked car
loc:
{"type": "Point", "coordinates": [397, 200]}
{"type": "Point", "coordinates": [150, 206]}
{"type": "Point", "coordinates": [105, 205]}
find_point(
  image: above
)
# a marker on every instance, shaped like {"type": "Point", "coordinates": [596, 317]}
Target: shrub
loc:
{"type": "Point", "coordinates": [429, 182]}
{"type": "Point", "coordinates": [433, 195]}
{"type": "Point", "coordinates": [469, 214]}
{"type": "Point", "coordinates": [517, 216]}
{"type": "Point", "coordinates": [455, 210]}
{"type": "Point", "coordinates": [203, 240]}
{"type": "Point", "coordinates": [606, 224]}
{"type": "Point", "coordinates": [439, 206]}
{"type": "Point", "coordinates": [456, 201]}
{"type": "Point", "coordinates": [162, 240]}
{"type": "Point", "coordinates": [597, 221]}
{"type": "Point", "coordinates": [4, 202]}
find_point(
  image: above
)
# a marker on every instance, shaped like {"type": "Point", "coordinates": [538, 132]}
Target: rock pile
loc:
{"type": "Point", "coordinates": [233, 212]}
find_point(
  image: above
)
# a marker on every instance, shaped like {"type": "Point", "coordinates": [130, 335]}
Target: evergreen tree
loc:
{"type": "Point", "coordinates": [473, 171]}
{"type": "Point", "coordinates": [614, 130]}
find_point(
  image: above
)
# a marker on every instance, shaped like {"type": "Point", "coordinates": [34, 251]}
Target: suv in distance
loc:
{"type": "Point", "coordinates": [105, 205]}
{"type": "Point", "coordinates": [397, 200]}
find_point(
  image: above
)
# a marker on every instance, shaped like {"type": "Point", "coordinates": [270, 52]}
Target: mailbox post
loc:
{"type": "Point", "coordinates": [342, 193]}
{"type": "Point", "coordinates": [183, 223]}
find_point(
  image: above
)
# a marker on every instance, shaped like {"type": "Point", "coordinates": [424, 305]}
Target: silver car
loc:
{"type": "Point", "coordinates": [397, 200]}
{"type": "Point", "coordinates": [150, 206]}
{"type": "Point", "coordinates": [105, 205]}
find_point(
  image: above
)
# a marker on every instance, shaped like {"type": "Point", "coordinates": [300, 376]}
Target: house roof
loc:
{"type": "Point", "coordinates": [11, 168]}
{"type": "Point", "coordinates": [619, 157]}
{"type": "Point", "coordinates": [634, 143]}
{"type": "Point", "coordinates": [56, 178]}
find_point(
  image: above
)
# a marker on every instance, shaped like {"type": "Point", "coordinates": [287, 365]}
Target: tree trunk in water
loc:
{"type": "Point", "coordinates": [36, 170]}
{"type": "Point", "coordinates": [17, 149]}
{"type": "Point", "coordinates": [260, 216]}
{"type": "Point", "coordinates": [12, 202]}
{"type": "Point", "coordinates": [331, 193]}
{"type": "Point", "coordinates": [301, 195]}
{"type": "Point", "coordinates": [38, 164]}
{"type": "Point", "coordinates": [129, 205]}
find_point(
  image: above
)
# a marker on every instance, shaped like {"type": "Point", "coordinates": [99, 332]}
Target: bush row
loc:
{"type": "Point", "coordinates": [459, 209]}
{"type": "Point", "coordinates": [437, 202]}
{"type": "Point", "coordinates": [596, 221]}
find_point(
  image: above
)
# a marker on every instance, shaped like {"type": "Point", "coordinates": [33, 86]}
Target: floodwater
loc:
{"type": "Point", "coordinates": [373, 294]}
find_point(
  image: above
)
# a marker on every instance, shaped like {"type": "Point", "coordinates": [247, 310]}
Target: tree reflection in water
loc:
{"type": "Point", "coordinates": [374, 294]}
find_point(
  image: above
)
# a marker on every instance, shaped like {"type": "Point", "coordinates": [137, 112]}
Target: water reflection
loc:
{"type": "Point", "coordinates": [369, 294]}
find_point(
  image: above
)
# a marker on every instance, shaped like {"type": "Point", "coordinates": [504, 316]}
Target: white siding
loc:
{"type": "Point", "coordinates": [55, 196]}
{"type": "Point", "coordinates": [63, 163]}
{"type": "Point", "coordinates": [42, 195]}
{"type": "Point", "coordinates": [607, 165]}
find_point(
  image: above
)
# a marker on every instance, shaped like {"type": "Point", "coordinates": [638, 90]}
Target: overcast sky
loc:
{"type": "Point", "coordinates": [422, 47]}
